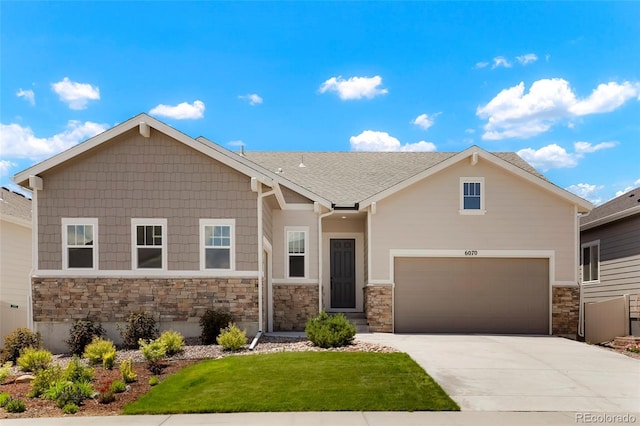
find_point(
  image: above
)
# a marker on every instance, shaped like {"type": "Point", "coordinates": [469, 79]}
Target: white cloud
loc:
{"type": "Point", "coordinates": [500, 61]}
{"type": "Point", "coordinates": [76, 95]}
{"type": "Point", "coordinates": [28, 95]}
{"type": "Point", "coordinates": [20, 142]}
{"type": "Point", "coordinates": [5, 166]}
{"type": "Point", "coordinates": [425, 121]}
{"type": "Point", "coordinates": [587, 191]}
{"type": "Point", "coordinates": [514, 113]}
{"type": "Point", "coordinates": [556, 157]}
{"type": "Point", "coordinates": [527, 59]}
{"type": "Point", "coordinates": [182, 111]}
{"type": "Point", "coordinates": [470, 131]}
{"type": "Point", "coordinates": [371, 140]}
{"type": "Point", "coordinates": [354, 87]}
{"type": "Point", "coordinates": [253, 98]}
{"type": "Point", "coordinates": [482, 64]}
{"type": "Point", "coordinates": [236, 143]}
{"type": "Point", "coordinates": [636, 184]}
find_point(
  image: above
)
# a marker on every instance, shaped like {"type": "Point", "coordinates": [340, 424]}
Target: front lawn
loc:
{"type": "Point", "coordinates": [297, 381]}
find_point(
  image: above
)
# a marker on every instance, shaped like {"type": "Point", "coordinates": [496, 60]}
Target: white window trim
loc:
{"type": "Point", "coordinates": [594, 243]}
{"type": "Point", "coordinates": [65, 254]}
{"type": "Point", "coordinates": [134, 243]}
{"type": "Point", "coordinates": [288, 229]}
{"type": "Point", "coordinates": [482, 209]}
{"type": "Point", "coordinates": [232, 250]}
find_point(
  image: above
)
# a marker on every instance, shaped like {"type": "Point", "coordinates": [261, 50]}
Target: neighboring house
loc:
{"type": "Point", "coordinates": [15, 261]}
{"type": "Point", "coordinates": [610, 264]}
{"type": "Point", "coordinates": [143, 217]}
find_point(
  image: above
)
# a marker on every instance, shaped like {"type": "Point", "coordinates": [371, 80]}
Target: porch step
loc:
{"type": "Point", "coordinates": [359, 320]}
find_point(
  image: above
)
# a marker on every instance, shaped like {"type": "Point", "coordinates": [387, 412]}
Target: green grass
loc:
{"type": "Point", "coordinates": [302, 381]}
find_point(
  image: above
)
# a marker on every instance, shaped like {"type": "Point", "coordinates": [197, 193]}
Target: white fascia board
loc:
{"type": "Point", "coordinates": [611, 218]}
{"type": "Point", "coordinates": [16, 221]}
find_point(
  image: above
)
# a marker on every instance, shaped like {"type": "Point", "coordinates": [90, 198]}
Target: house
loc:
{"type": "Point", "coordinates": [15, 261]}
{"type": "Point", "coordinates": [610, 268]}
{"type": "Point", "coordinates": [143, 217]}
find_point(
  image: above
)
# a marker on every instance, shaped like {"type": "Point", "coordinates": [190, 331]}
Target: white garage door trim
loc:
{"type": "Point", "coordinates": [472, 253]}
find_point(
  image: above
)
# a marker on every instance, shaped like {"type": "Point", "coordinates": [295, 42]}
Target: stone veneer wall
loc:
{"type": "Point", "coordinates": [378, 307]}
{"type": "Point", "coordinates": [169, 299]}
{"type": "Point", "coordinates": [565, 310]}
{"type": "Point", "coordinates": [293, 305]}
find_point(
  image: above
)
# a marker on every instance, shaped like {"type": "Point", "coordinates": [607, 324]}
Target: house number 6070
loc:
{"type": "Point", "coordinates": [471, 252]}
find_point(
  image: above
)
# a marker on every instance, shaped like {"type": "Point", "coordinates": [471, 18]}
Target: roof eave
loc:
{"type": "Point", "coordinates": [611, 218]}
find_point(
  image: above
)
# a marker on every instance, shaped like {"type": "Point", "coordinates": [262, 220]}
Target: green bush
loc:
{"type": "Point", "coordinates": [4, 398]}
{"type": "Point", "coordinates": [15, 406]}
{"type": "Point", "coordinates": [81, 334]}
{"type": "Point", "coordinates": [96, 351]}
{"type": "Point", "coordinates": [153, 352]}
{"type": "Point", "coordinates": [172, 341]}
{"type": "Point", "coordinates": [140, 325]}
{"type": "Point", "coordinates": [330, 331]}
{"type": "Point", "coordinates": [45, 379]}
{"type": "Point", "coordinates": [70, 408]}
{"type": "Point", "coordinates": [153, 380]}
{"type": "Point", "coordinates": [78, 372]}
{"type": "Point", "coordinates": [126, 370]}
{"type": "Point", "coordinates": [117, 386]}
{"type": "Point", "coordinates": [212, 323]}
{"type": "Point", "coordinates": [18, 340]}
{"type": "Point", "coordinates": [33, 359]}
{"type": "Point", "coordinates": [5, 371]}
{"type": "Point", "coordinates": [106, 397]}
{"type": "Point", "coordinates": [64, 392]}
{"type": "Point", "coordinates": [109, 360]}
{"type": "Point", "coordinates": [232, 338]}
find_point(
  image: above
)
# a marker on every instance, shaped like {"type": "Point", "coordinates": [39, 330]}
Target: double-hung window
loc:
{"type": "Point", "coordinates": [217, 239]}
{"type": "Point", "coordinates": [591, 261]}
{"type": "Point", "coordinates": [149, 243]}
{"type": "Point", "coordinates": [297, 247]}
{"type": "Point", "coordinates": [80, 243]}
{"type": "Point", "coordinates": [472, 195]}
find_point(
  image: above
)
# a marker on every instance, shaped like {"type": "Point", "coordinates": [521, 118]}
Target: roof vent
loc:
{"type": "Point", "coordinates": [301, 161]}
{"type": "Point", "coordinates": [279, 171]}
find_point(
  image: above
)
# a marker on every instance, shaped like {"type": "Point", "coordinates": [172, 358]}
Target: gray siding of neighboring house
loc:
{"type": "Point", "coordinates": [135, 177]}
{"type": "Point", "coordinates": [293, 197]}
{"type": "Point", "coordinates": [619, 262]}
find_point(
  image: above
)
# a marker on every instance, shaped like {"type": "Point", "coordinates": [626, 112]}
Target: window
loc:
{"type": "Point", "coordinates": [472, 195]}
{"type": "Point", "coordinates": [296, 251]}
{"type": "Point", "coordinates": [79, 243]}
{"type": "Point", "coordinates": [591, 261]}
{"type": "Point", "coordinates": [149, 243]}
{"type": "Point", "coordinates": [217, 244]}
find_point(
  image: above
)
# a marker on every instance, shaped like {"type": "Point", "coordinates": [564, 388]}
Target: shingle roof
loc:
{"type": "Point", "coordinates": [14, 205]}
{"type": "Point", "coordinates": [346, 178]}
{"type": "Point", "coordinates": [619, 204]}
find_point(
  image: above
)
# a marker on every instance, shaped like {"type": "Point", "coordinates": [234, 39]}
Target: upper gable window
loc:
{"type": "Point", "coordinates": [472, 191]}
{"type": "Point", "coordinates": [591, 261]}
{"type": "Point", "coordinates": [217, 238]}
{"type": "Point", "coordinates": [149, 243]}
{"type": "Point", "coordinates": [79, 243]}
{"type": "Point", "coordinates": [297, 263]}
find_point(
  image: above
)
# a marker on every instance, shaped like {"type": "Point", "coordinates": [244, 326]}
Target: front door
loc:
{"type": "Point", "coordinates": [343, 273]}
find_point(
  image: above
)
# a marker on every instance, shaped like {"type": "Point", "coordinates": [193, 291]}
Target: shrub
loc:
{"type": "Point", "coordinates": [96, 351]}
{"type": "Point", "coordinates": [70, 408]}
{"type": "Point", "coordinates": [81, 334]}
{"type": "Point", "coordinates": [32, 359]}
{"type": "Point", "coordinates": [4, 398]}
{"type": "Point", "coordinates": [212, 323]}
{"type": "Point", "coordinates": [109, 360]}
{"type": "Point", "coordinates": [106, 397]}
{"type": "Point", "coordinates": [330, 331]}
{"type": "Point", "coordinates": [232, 338]}
{"type": "Point", "coordinates": [5, 371]}
{"type": "Point", "coordinates": [44, 380]}
{"type": "Point", "coordinates": [64, 392]}
{"type": "Point", "coordinates": [117, 386]}
{"type": "Point", "coordinates": [15, 406]}
{"type": "Point", "coordinates": [153, 380]}
{"type": "Point", "coordinates": [153, 352]}
{"type": "Point", "coordinates": [126, 370]}
{"type": "Point", "coordinates": [172, 341]}
{"type": "Point", "coordinates": [16, 341]}
{"type": "Point", "coordinates": [78, 372]}
{"type": "Point", "coordinates": [140, 325]}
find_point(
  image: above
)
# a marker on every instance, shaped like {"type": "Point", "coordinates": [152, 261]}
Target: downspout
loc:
{"type": "Point", "coordinates": [317, 209]}
{"type": "Point", "coordinates": [579, 276]}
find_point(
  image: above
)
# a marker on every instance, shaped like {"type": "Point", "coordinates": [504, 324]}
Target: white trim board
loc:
{"type": "Point", "coordinates": [55, 273]}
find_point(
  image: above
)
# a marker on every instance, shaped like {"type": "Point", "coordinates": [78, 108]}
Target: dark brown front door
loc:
{"type": "Point", "coordinates": [343, 273]}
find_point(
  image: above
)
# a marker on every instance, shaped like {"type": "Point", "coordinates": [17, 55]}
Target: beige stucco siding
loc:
{"type": "Point", "coordinates": [135, 177]}
{"type": "Point", "coordinates": [294, 218]}
{"type": "Point", "coordinates": [519, 216]}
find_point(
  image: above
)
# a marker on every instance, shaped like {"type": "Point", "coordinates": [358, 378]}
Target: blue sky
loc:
{"type": "Point", "coordinates": [559, 83]}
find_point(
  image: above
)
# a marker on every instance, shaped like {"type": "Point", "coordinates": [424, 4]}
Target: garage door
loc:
{"type": "Point", "coordinates": [480, 295]}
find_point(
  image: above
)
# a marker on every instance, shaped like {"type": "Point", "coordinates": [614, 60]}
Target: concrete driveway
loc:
{"type": "Point", "coordinates": [523, 373]}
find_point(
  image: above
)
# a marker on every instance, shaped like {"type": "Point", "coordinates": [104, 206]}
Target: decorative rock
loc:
{"type": "Point", "coordinates": [25, 378]}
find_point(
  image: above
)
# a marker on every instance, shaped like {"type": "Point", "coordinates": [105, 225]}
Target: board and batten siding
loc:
{"type": "Point", "coordinates": [136, 177]}
{"type": "Point", "coordinates": [519, 216]}
{"type": "Point", "coordinates": [619, 262]}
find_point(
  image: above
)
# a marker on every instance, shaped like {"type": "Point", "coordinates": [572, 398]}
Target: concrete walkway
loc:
{"type": "Point", "coordinates": [523, 373]}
